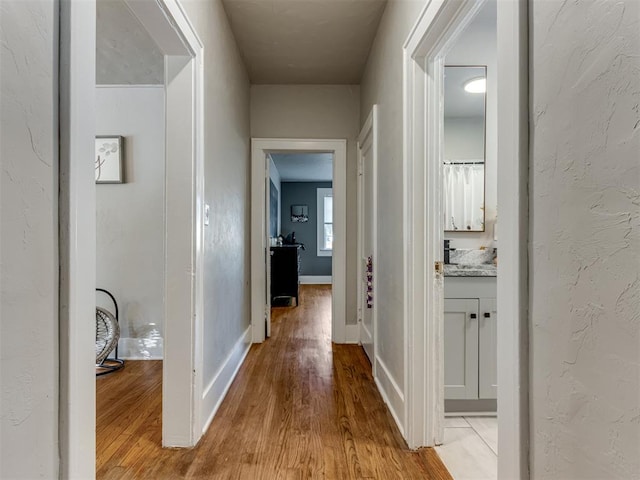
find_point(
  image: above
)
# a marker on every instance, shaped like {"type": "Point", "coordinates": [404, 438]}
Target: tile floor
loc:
{"type": "Point", "coordinates": [470, 449]}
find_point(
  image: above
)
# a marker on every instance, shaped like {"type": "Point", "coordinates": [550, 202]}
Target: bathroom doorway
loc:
{"type": "Point", "coordinates": [430, 346]}
{"type": "Point", "coordinates": [470, 206]}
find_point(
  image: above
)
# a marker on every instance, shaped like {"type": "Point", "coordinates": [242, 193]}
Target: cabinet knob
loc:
{"type": "Point", "coordinates": [487, 315]}
{"type": "Point", "coordinates": [473, 315]}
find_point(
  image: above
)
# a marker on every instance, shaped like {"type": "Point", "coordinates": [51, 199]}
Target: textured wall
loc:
{"type": "Point", "coordinates": [28, 240]}
{"type": "Point", "coordinates": [305, 193]}
{"type": "Point", "coordinates": [316, 111]}
{"type": "Point", "coordinates": [130, 217]}
{"type": "Point", "coordinates": [125, 53]}
{"type": "Point", "coordinates": [585, 240]}
{"type": "Point", "coordinates": [382, 85]}
{"type": "Point", "coordinates": [227, 182]}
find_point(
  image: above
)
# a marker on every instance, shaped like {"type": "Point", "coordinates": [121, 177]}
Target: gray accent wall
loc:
{"type": "Point", "coordinates": [305, 193]}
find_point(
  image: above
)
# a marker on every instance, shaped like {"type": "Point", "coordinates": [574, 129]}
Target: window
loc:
{"type": "Point", "coordinates": [325, 222]}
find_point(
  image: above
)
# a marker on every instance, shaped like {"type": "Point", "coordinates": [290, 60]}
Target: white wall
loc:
{"type": "Point", "coordinates": [477, 46]}
{"type": "Point", "coordinates": [28, 240]}
{"type": "Point", "coordinates": [130, 217]}
{"type": "Point", "coordinates": [227, 182]}
{"type": "Point", "coordinates": [585, 240]}
{"type": "Point", "coordinates": [316, 111]}
{"type": "Point", "coordinates": [463, 138]}
{"type": "Point", "coordinates": [125, 53]}
{"type": "Point", "coordinates": [382, 85]}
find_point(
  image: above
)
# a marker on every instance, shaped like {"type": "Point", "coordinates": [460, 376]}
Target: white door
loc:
{"type": "Point", "coordinates": [267, 249]}
{"type": "Point", "coordinates": [461, 348]}
{"type": "Point", "coordinates": [367, 152]}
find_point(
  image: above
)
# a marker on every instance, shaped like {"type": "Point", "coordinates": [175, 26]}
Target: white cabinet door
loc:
{"type": "Point", "coordinates": [488, 339]}
{"type": "Point", "coordinates": [461, 348]}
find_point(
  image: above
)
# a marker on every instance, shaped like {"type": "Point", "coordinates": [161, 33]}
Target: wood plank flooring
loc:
{"type": "Point", "coordinates": [299, 408]}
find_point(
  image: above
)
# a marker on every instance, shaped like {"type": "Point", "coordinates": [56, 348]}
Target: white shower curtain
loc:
{"type": "Point", "coordinates": [464, 196]}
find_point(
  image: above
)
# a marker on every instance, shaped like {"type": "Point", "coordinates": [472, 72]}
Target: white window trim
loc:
{"type": "Point", "coordinates": [321, 193]}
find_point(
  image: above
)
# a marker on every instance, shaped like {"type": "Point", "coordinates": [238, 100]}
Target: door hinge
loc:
{"type": "Point", "coordinates": [439, 268]}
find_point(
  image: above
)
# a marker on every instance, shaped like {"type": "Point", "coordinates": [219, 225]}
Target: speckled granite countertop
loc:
{"type": "Point", "coordinates": [471, 263]}
{"type": "Point", "coordinates": [484, 270]}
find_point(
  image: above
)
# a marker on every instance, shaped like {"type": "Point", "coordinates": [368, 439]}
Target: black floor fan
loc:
{"type": "Point", "coordinates": [107, 336]}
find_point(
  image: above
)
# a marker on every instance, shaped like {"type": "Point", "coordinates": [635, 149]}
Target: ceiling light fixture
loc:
{"type": "Point", "coordinates": [476, 85]}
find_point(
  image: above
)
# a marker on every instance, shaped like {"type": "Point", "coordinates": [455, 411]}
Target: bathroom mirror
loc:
{"type": "Point", "coordinates": [464, 147]}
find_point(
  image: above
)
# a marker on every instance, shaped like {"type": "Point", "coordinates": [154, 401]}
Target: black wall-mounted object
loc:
{"type": "Point", "coordinates": [447, 252]}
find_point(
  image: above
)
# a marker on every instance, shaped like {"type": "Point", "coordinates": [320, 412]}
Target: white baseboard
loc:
{"type": "Point", "coordinates": [315, 279]}
{"type": "Point", "coordinates": [352, 334]}
{"type": "Point", "coordinates": [391, 392]}
{"type": "Point", "coordinates": [140, 349]}
{"type": "Point", "coordinates": [470, 414]}
{"type": "Point", "coordinates": [218, 387]}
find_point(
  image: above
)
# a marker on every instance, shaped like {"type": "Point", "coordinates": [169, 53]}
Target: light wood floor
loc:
{"type": "Point", "coordinates": [299, 408]}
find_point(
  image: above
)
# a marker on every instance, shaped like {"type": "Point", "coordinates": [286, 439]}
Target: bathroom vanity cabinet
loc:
{"type": "Point", "coordinates": [470, 338]}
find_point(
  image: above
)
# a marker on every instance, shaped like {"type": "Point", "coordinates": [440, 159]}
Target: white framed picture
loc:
{"type": "Point", "coordinates": [109, 159]}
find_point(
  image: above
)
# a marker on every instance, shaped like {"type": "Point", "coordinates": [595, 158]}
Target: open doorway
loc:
{"type": "Point", "coordinates": [309, 212]}
{"type": "Point", "coordinates": [179, 46]}
{"type": "Point", "coordinates": [469, 174]}
{"type": "Point", "coordinates": [448, 320]}
{"type": "Point", "coordinates": [130, 176]}
{"type": "Point", "coordinates": [300, 219]}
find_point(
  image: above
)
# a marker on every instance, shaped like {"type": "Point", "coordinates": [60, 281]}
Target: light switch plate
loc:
{"type": "Point", "coordinates": [206, 214]}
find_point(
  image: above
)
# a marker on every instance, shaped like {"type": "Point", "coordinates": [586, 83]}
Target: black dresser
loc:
{"type": "Point", "coordinates": [285, 271]}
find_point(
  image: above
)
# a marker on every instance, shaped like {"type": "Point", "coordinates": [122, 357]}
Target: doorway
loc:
{"type": "Point", "coordinates": [283, 151]}
{"type": "Point", "coordinates": [425, 51]}
{"type": "Point", "coordinates": [300, 237]}
{"type": "Point", "coordinates": [130, 220]}
{"type": "Point", "coordinates": [178, 43]}
{"type": "Point", "coordinates": [469, 176]}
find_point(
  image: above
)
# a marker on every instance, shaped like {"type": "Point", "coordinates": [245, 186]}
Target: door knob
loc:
{"type": "Point", "coordinates": [487, 315]}
{"type": "Point", "coordinates": [473, 315]}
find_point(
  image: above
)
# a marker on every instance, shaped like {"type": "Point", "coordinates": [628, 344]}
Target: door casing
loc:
{"type": "Point", "coordinates": [368, 141]}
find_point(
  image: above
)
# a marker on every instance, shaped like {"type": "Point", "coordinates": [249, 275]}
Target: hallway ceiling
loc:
{"type": "Point", "coordinates": [304, 41]}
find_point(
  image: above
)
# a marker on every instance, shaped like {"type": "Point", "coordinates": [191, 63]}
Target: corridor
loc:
{"type": "Point", "coordinates": [299, 408]}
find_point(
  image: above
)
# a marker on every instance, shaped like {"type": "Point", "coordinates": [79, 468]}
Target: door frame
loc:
{"type": "Point", "coordinates": [369, 133]}
{"type": "Point", "coordinates": [260, 148]}
{"type": "Point", "coordinates": [169, 26]}
{"type": "Point", "coordinates": [439, 22]}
